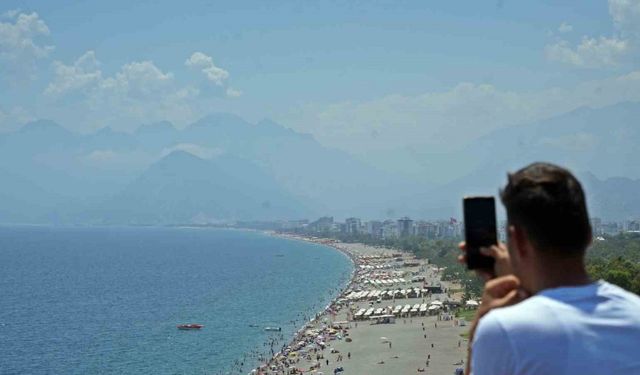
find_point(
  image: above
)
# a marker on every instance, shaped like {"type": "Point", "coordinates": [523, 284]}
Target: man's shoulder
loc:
{"type": "Point", "coordinates": [562, 305]}
{"type": "Point", "coordinates": [525, 312]}
{"type": "Point", "coordinates": [619, 294]}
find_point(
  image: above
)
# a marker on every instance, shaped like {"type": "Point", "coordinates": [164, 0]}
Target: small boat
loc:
{"type": "Point", "coordinates": [273, 329]}
{"type": "Point", "coordinates": [189, 326]}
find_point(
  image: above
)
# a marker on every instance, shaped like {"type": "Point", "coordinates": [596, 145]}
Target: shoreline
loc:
{"type": "Point", "coordinates": [335, 327]}
{"type": "Point", "coordinates": [330, 244]}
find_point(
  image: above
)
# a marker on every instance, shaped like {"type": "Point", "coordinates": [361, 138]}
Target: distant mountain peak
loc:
{"type": "Point", "coordinates": [43, 125]}
{"type": "Point", "coordinates": [180, 156]}
{"type": "Point", "coordinates": [156, 127]}
{"type": "Point", "coordinates": [107, 130]}
{"type": "Point", "coordinates": [269, 122]}
{"type": "Point", "coordinates": [273, 127]}
{"type": "Point", "coordinates": [220, 118]}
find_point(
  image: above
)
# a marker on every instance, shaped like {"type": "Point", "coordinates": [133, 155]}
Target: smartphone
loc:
{"type": "Point", "coordinates": [479, 230]}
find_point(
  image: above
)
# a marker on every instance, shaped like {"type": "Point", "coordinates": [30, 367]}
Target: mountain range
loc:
{"type": "Point", "coordinates": [223, 168]}
{"type": "Point", "coordinates": [589, 141]}
{"type": "Point", "coordinates": [218, 168]}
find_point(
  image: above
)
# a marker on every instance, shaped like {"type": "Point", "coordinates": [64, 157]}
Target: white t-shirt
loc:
{"type": "Point", "coordinates": [587, 330]}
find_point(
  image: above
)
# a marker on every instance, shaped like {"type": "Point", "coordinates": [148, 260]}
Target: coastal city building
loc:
{"type": "Point", "coordinates": [389, 229]}
{"type": "Point", "coordinates": [323, 224]}
{"type": "Point", "coordinates": [432, 230]}
{"type": "Point", "coordinates": [374, 228]}
{"type": "Point", "coordinates": [353, 225]}
{"type": "Point", "coordinates": [405, 227]}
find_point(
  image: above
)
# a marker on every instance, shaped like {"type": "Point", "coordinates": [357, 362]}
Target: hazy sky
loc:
{"type": "Point", "coordinates": [369, 77]}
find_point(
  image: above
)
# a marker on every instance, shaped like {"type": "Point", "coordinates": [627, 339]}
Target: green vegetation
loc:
{"type": "Point", "coordinates": [625, 245]}
{"type": "Point", "coordinates": [619, 271]}
{"type": "Point", "coordinates": [617, 260]}
{"type": "Point", "coordinates": [467, 315]}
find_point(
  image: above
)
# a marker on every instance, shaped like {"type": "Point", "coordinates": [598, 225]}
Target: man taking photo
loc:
{"type": "Point", "coordinates": [541, 314]}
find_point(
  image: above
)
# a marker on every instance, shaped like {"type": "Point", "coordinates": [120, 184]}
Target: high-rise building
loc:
{"type": "Point", "coordinates": [405, 227]}
{"type": "Point", "coordinates": [323, 224]}
{"type": "Point", "coordinates": [352, 225]}
{"type": "Point", "coordinates": [374, 228]}
{"type": "Point", "coordinates": [632, 226]}
{"type": "Point", "coordinates": [426, 229]}
{"type": "Point", "coordinates": [389, 229]}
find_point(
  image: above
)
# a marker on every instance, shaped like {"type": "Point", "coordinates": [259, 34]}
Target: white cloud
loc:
{"type": "Point", "coordinates": [590, 53]}
{"type": "Point", "coordinates": [209, 69]}
{"type": "Point", "coordinates": [233, 93]}
{"type": "Point", "coordinates": [138, 80]}
{"type": "Point", "coordinates": [20, 43]}
{"type": "Point", "coordinates": [11, 13]}
{"type": "Point", "coordinates": [626, 17]}
{"type": "Point", "coordinates": [139, 92]}
{"type": "Point", "coordinates": [442, 121]}
{"type": "Point", "coordinates": [82, 74]}
{"type": "Point", "coordinates": [194, 149]}
{"type": "Point", "coordinates": [602, 51]}
{"type": "Point", "coordinates": [565, 28]}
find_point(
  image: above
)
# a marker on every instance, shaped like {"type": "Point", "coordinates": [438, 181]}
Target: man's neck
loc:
{"type": "Point", "coordinates": [560, 273]}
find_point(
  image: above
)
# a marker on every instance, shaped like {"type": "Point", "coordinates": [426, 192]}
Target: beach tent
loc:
{"type": "Point", "coordinates": [369, 312]}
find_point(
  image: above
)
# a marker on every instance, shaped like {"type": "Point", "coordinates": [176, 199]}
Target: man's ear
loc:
{"type": "Point", "coordinates": [520, 240]}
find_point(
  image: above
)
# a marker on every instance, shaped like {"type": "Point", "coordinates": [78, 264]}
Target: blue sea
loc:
{"type": "Point", "coordinates": [107, 300]}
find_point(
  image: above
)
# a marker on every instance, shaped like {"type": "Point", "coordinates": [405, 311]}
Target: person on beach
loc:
{"type": "Point", "coordinates": [540, 312]}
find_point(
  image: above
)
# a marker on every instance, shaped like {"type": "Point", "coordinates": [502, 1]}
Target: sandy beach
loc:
{"type": "Point", "coordinates": [394, 317]}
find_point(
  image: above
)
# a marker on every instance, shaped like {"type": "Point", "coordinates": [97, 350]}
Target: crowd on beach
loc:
{"type": "Point", "coordinates": [276, 342]}
{"type": "Point", "coordinates": [311, 349]}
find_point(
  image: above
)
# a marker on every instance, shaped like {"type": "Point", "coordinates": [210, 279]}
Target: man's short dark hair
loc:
{"type": "Point", "coordinates": [549, 203]}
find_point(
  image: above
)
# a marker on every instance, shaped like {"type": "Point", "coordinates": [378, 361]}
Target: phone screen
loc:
{"type": "Point", "coordinates": [480, 230]}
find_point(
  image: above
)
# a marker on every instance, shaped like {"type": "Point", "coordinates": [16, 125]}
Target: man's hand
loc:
{"type": "Point", "coordinates": [499, 252]}
{"type": "Point", "coordinates": [500, 292]}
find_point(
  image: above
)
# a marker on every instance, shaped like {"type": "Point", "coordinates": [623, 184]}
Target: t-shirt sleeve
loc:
{"type": "Point", "coordinates": [492, 352]}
